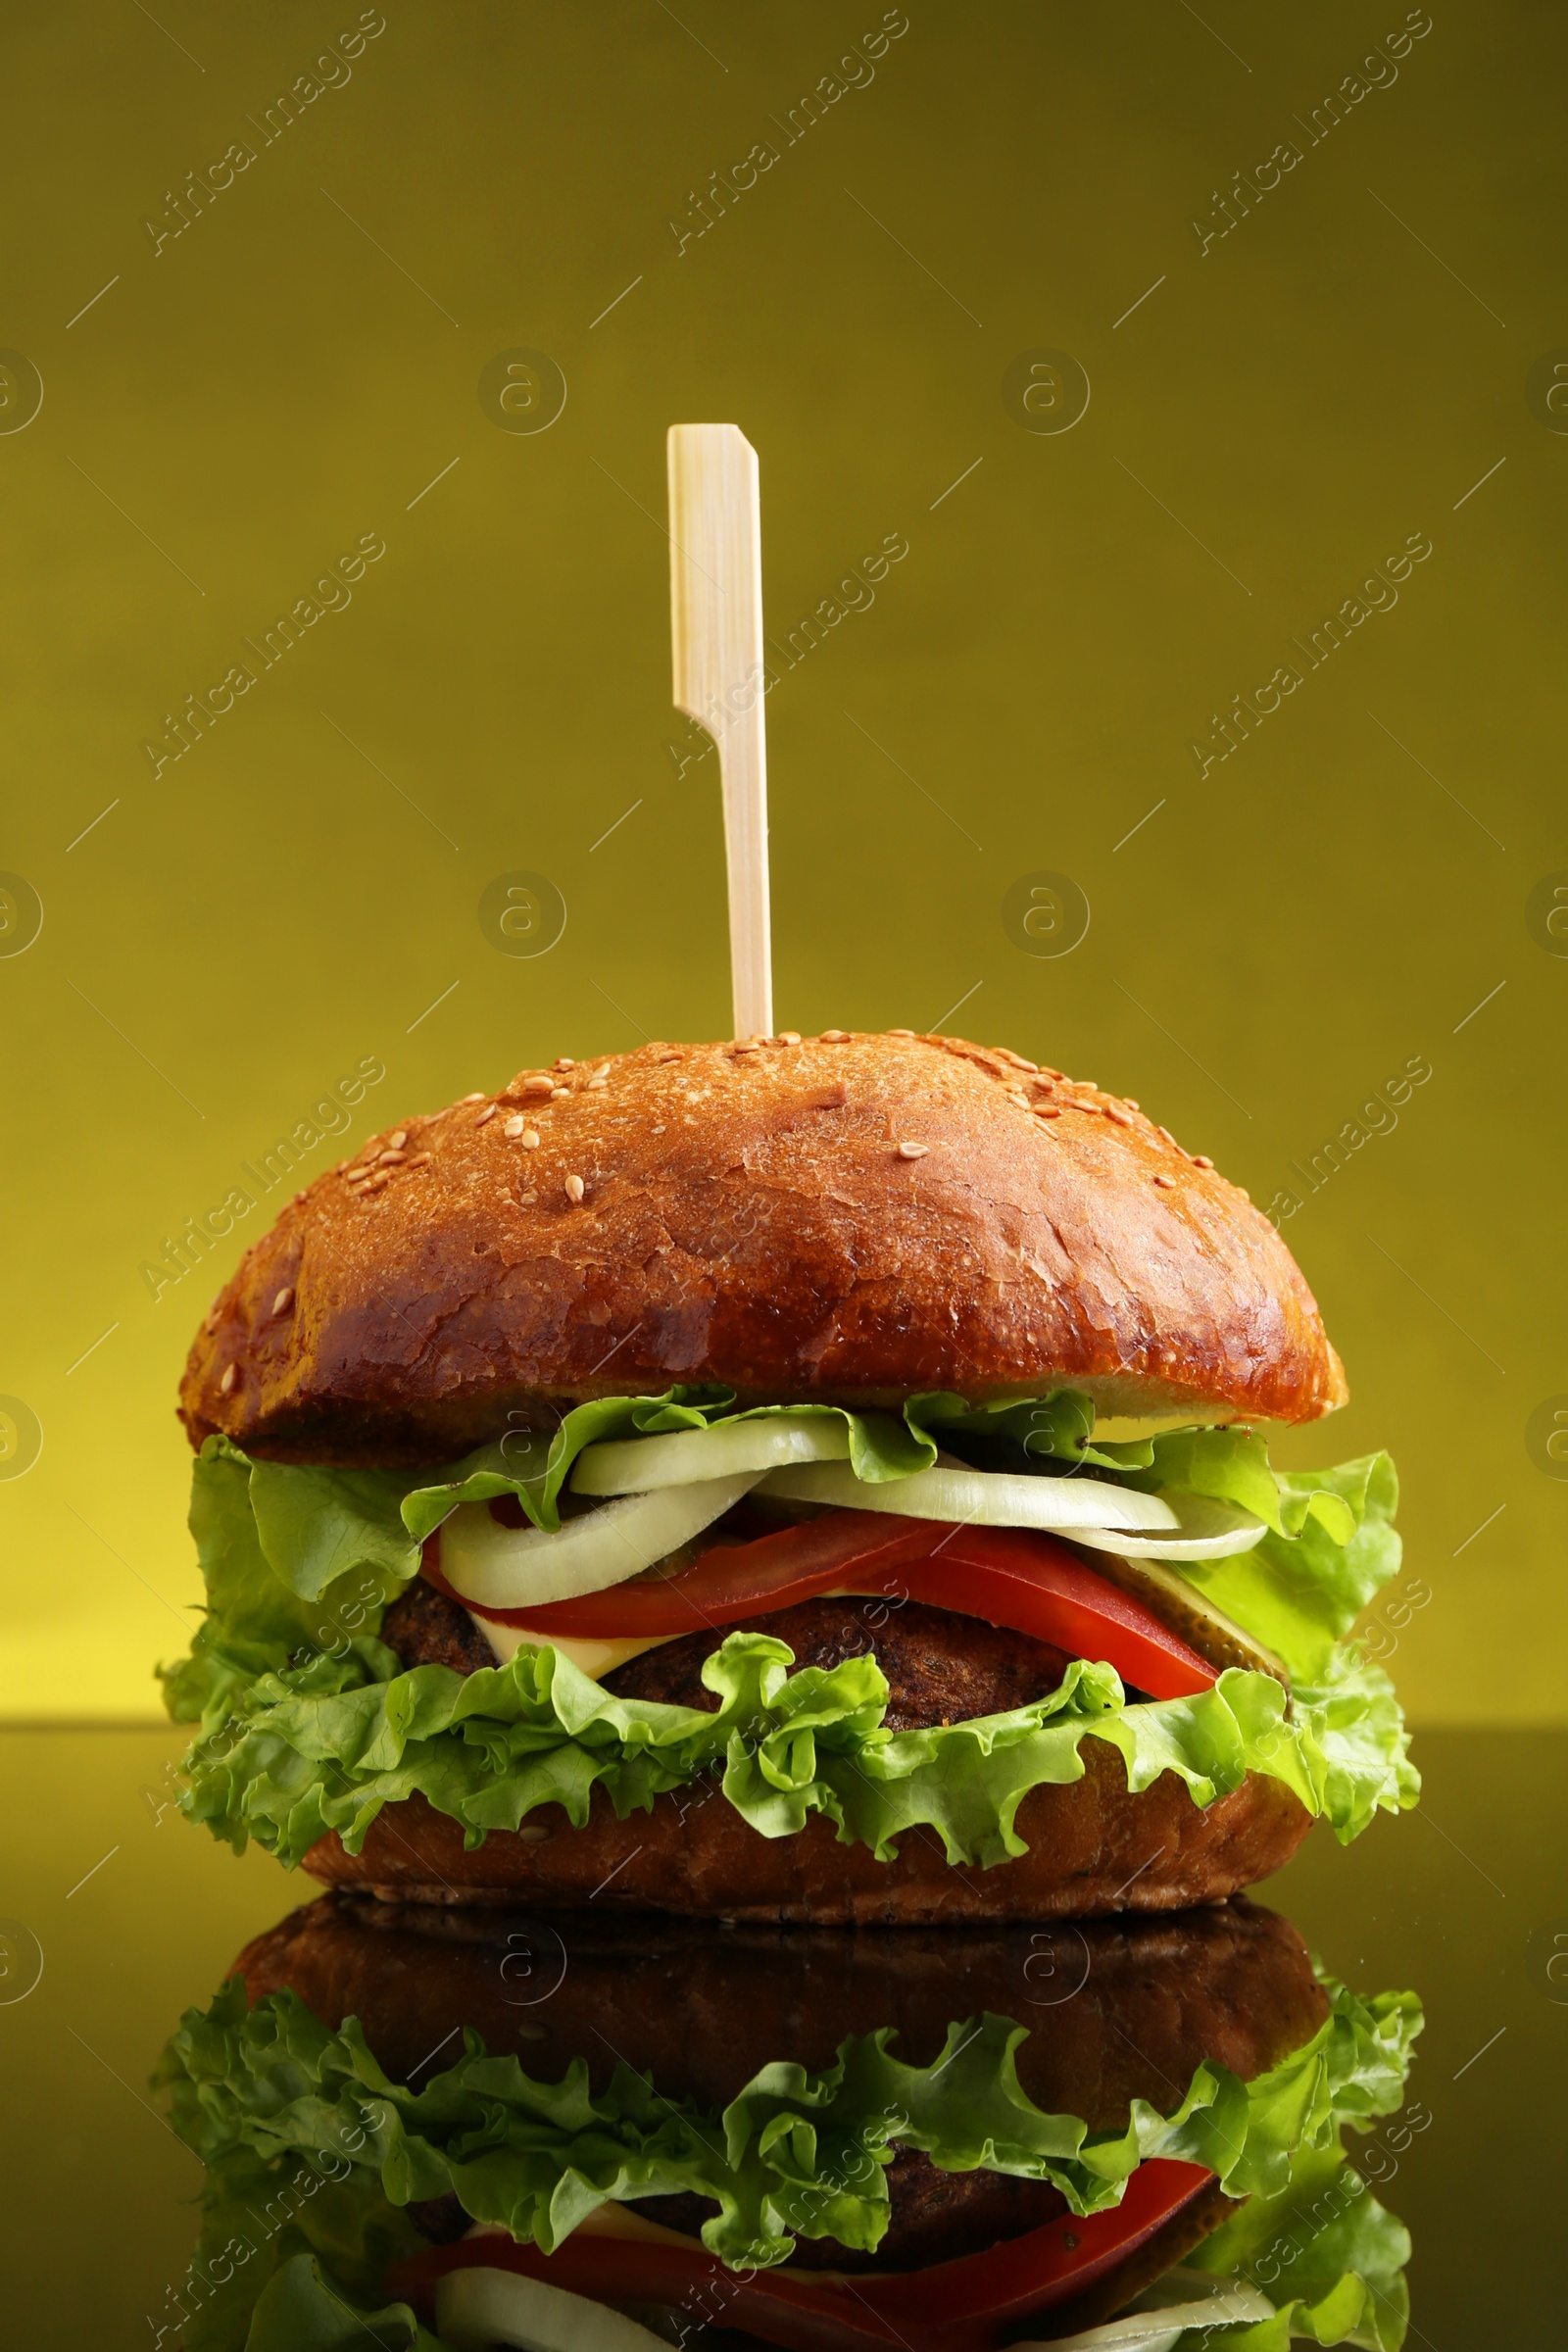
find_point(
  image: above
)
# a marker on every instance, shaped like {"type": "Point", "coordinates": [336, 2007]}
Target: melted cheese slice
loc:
{"type": "Point", "coordinates": [595, 1658]}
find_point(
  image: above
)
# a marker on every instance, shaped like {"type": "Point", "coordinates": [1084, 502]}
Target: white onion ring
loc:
{"type": "Point", "coordinates": [1207, 1531]}
{"type": "Point", "coordinates": [479, 2307]}
{"type": "Point", "coordinates": [524, 1567]}
{"type": "Point", "coordinates": [637, 1465]}
{"type": "Point", "coordinates": [979, 1497]}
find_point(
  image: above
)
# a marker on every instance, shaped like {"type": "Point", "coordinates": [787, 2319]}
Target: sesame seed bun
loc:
{"type": "Point", "coordinates": [839, 1219]}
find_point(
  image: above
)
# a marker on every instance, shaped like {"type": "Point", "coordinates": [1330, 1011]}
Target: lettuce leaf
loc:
{"type": "Point", "coordinates": [258, 1617]}
{"type": "Point", "coordinates": [535, 1468]}
{"type": "Point", "coordinates": [299, 2311]}
{"type": "Point", "coordinates": [296, 1751]}
{"type": "Point", "coordinates": [270, 2087]}
{"type": "Point", "coordinates": [1300, 1594]}
{"type": "Point", "coordinates": [1326, 2253]}
{"type": "Point", "coordinates": [287, 2253]}
{"type": "Point", "coordinates": [1027, 1435]}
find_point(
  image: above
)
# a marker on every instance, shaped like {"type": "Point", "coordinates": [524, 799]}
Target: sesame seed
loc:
{"type": "Point", "coordinates": [1131, 1105]}
{"type": "Point", "coordinates": [1017, 1095]}
{"type": "Point", "coordinates": [513, 1127]}
{"type": "Point", "coordinates": [1047, 1110]}
{"type": "Point", "coordinates": [1018, 1060]}
{"type": "Point", "coordinates": [901, 1033]}
{"type": "Point", "coordinates": [566, 1062]}
{"type": "Point", "coordinates": [284, 1299]}
{"type": "Point", "coordinates": [1168, 1182]}
{"type": "Point", "coordinates": [1201, 1159]}
{"type": "Point", "coordinates": [488, 1113]}
{"type": "Point", "coordinates": [742, 1045]}
{"type": "Point", "coordinates": [537, 1085]}
{"type": "Point", "coordinates": [788, 1037]}
{"type": "Point", "coordinates": [677, 1056]}
{"type": "Point", "coordinates": [529, 1140]}
{"type": "Point", "coordinates": [599, 1078]}
{"type": "Point", "coordinates": [391, 1157]}
{"type": "Point", "coordinates": [1113, 1112]}
{"type": "Point", "coordinates": [913, 1151]}
{"type": "Point", "coordinates": [558, 1094]}
{"type": "Point", "coordinates": [420, 1159]}
{"type": "Point", "coordinates": [1092, 1109]}
{"type": "Point", "coordinates": [575, 1188]}
{"type": "Point", "coordinates": [473, 1097]}
{"type": "Point", "coordinates": [396, 1141]}
{"type": "Point", "coordinates": [228, 1379]}
{"type": "Point", "coordinates": [1169, 1137]}
{"type": "Point", "coordinates": [1246, 1195]}
{"type": "Point", "coordinates": [835, 1037]}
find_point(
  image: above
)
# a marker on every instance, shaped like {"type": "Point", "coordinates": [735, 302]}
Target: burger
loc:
{"type": "Point", "coordinates": [585, 2132]}
{"type": "Point", "coordinates": [808, 1479]}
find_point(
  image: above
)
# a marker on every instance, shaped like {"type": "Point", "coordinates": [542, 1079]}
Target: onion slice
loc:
{"type": "Point", "coordinates": [980, 1498]}
{"type": "Point", "coordinates": [1162, 2326]}
{"type": "Point", "coordinates": [637, 1465]}
{"type": "Point", "coordinates": [1206, 1531]}
{"type": "Point", "coordinates": [478, 2308]}
{"type": "Point", "coordinates": [521, 1567]}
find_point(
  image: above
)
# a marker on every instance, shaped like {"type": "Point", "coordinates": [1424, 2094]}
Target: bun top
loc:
{"type": "Point", "coordinates": [839, 1219]}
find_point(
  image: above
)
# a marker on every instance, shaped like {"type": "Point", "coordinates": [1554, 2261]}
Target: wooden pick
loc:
{"type": "Point", "coordinates": [715, 597]}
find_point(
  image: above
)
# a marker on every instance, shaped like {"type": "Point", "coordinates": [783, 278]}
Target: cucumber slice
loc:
{"type": "Point", "coordinates": [637, 1465]}
{"type": "Point", "coordinates": [478, 2308]}
{"type": "Point", "coordinates": [980, 1497]}
{"type": "Point", "coordinates": [524, 1567]}
{"type": "Point", "coordinates": [1192, 1614]}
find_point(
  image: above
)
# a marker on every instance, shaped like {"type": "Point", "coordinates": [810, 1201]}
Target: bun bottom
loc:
{"type": "Point", "coordinates": [1093, 1848]}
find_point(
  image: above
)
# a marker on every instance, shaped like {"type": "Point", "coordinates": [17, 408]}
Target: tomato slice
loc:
{"type": "Point", "coordinates": [955, 2306]}
{"type": "Point", "coordinates": [1009, 1576]}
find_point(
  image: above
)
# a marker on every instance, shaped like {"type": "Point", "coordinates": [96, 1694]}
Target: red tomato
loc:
{"type": "Point", "coordinates": [1009, 1576]}
{"type": "Point", "coordinates": [950, 2307]}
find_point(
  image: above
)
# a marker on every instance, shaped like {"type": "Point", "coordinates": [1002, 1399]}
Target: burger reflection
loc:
{"type": "Point", "coordinates": [455, 2127]}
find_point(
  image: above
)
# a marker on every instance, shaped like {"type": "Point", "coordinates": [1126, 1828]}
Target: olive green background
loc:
{"type": "Point", "coordinates": [1270, 941]}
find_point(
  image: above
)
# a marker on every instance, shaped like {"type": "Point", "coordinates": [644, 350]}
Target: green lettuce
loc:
{"type": "Point", "coordinates": [296, 1752]}
{"type": "Point", "coordinates": [1329, 2257]}
{"type": "Point", "coordinates": [312, 2153]}
{"type": "Point", "coordinates": [534, 1468]}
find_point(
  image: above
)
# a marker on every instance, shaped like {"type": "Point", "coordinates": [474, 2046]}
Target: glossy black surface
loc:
{"type": "Point", "coordinates": [135, 1916]}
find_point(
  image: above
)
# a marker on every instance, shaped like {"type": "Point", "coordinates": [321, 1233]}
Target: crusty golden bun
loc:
{"type": "Point", "coordinates": [841, 1218]}
{"type": "Point", "coordinates": [1093, 1848]}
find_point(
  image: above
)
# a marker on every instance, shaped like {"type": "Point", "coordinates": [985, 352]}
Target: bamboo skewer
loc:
{"type": "Point", "coordinates": [715, 594]}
